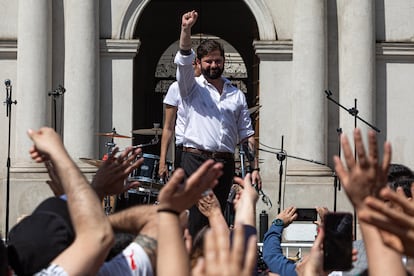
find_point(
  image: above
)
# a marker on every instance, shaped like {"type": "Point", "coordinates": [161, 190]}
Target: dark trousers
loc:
{"type": "Point", "coordinates": [190, 163]}
{"type": "Point", "coordinates": [177, 156]}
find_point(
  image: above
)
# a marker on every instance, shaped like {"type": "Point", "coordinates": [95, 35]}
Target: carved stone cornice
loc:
{"type": "Point", "coordinates": [273, 50]}
{"type": "Point", "coordinates": [387, 50]}
{"type": "Point", "coordinates": [119, 48]}
{"type": "Point", "coordinates": [8, 49]}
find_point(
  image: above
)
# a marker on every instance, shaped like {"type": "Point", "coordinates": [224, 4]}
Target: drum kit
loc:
{"type": "Point", "coordinates": [146, 174]}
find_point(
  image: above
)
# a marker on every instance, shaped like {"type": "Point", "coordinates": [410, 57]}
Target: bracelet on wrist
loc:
{"type": "Point", "coordinates": [185, 52]}
{"type": "Point", "coordinates": [168, 210]}
{"type": "Point", "coordinates": [256, 169]}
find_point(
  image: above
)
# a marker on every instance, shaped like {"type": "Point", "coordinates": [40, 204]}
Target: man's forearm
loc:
{"type": "Point", "coordinates": [69, 174]}
{"type": "Point", "coordinates": [133, 219]}
{"type": "Point", "coordinates": [185, 38]}
{"type": "Point", "coordinates": [380, 257]}
{"type": "Point", "coordinates": [79, 191]}
{"type": "Point", "coordinates": [167, 132]}
{"type": "Point", "coordinates": [165, 142]}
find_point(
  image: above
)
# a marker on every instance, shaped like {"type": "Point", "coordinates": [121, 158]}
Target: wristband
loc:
{"type": "Point", "coordinates": [185, 52]}
{"type": "Point", "coordinates": [256, 169]}
{"type": "Point", "coordinates": [167, 210]}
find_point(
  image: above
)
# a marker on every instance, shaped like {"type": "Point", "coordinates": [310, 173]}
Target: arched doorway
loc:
{"type": "Point", "coordinates": [159, 26]}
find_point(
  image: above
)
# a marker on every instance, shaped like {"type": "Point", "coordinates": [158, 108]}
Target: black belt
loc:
{"type": "Point", "coordinates": [210, 154]}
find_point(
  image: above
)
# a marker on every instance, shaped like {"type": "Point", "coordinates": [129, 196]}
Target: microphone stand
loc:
{"type": "Point", "coordinates": [8, 103]}
{"type": "Point", "coordinates": [337, 184]}
{"type": "Point", "coordinates": [56, 93]}
{"type": "Point", "coordinates": [354, 112]}
{"type": "Point", "coordinates": [281, 155]}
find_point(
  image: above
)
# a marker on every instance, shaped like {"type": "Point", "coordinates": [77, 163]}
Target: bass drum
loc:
{"type": "Point", "coordinates": [147, 173]}
{"type": "Point", "coordinates": [133, 197]}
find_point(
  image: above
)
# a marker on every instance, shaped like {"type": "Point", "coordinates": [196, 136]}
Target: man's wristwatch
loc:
{"type": "Point", "coordinates": [278, 222]}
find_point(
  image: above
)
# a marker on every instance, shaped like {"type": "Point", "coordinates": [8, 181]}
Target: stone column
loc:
{"type": "Point", "coordinates": [356, 42]}
{"type": "Point", "coordinates": [116, 100]}
{"type": "Point", "coordinates": [308, 183]}
{"type": "Point", "coordinates": [33, 72]}
{"type": "Point", "coordinates": [81, 77]}
{"type": "Point", "coordinates": [308, 112]}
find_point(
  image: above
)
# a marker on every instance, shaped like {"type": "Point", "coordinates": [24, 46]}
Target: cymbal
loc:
{"type": "Point", "coordinates": [112, 134]}
{"type": "Point", "coordinates": [93, 162]}
{"type": "Point", "coordinates": [148, 131]}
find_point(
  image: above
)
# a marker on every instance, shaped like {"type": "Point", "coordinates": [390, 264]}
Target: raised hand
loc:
{"type": "Point", "coordinates": [364, 176]}
{"type": "Point", "coordinates": [180, 196]}
{"type": "Point", "coordinates": [209, 205]}
{"type": "Point", "coordinates": [245, 201]}
{"type": "Point", "coordinates": [395, 220]}
{"type": "Point", "coordinates": [221, 259]}
{"type": "Point", "coordinates": [46, 143]}
{"type": "Point", "coordinates": [288, 215]}
{"type": "Point", "coordinates": [189, 19]}
{"type": "Point", "coordinates": [112, 174]}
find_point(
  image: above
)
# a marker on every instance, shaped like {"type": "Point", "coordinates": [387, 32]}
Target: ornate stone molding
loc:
{"type": "Point", "coordinates": [273, 50]}
{"type": "Point", "coordinates": [259, 9]}
{"type": "Point", "coordinates": [120, 48]}
{"type": "Point", "coordinates": [263, 18]}
{"type": "Point", "coordinates": [130, 18]}
{"type": "Point", "coordinates": [8, 49]}
{"type": "Point", "coordinates": [395, 49]}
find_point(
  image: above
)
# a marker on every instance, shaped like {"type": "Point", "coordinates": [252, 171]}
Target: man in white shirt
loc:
{"type": "Point", "coordinates": [217, 117]}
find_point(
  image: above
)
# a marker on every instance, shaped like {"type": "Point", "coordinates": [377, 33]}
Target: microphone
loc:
{"type": "Point", "coordinates": [8, 100]}
{"type": "Point", "coordinates": [61, 89]}
{"type": "Point", "coordinates": [58, 91]}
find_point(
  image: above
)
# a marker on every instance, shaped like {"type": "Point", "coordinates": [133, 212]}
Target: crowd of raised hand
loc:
{"type": "Point", "coordinates": [70, 233]}
{"type": "Point", "coordinates": [159, 244]}
{"type": "Point", "coordinates": [153, 236]}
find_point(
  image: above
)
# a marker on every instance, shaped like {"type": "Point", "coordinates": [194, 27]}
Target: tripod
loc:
{"type": "Point", "coordinates": [55, 94]}
{"type": "Point", "coordinates": [107, 199]}
{"type": "Point", "coordinates": [337, 184]}
{"type": "Point", "coordinates": [354, 112]}
{"type": "Point", "coordinates": [281, 156]}
{"type": "Point", "coordinates": [8, 102]}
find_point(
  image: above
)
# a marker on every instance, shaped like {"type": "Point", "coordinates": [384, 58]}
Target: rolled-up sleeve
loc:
{"type": "Point", "coordinates": [185, 73]}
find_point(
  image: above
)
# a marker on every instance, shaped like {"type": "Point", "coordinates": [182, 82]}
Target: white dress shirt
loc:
{"type": "Point", "coordinates": [173, 98]}
{"type": "Point", "coordinates": [213, 122]}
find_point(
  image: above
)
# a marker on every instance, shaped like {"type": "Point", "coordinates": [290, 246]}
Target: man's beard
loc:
{"type": "Point", "coordinates": [212, 74]}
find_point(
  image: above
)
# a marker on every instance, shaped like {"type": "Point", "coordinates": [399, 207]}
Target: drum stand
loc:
{"type": "Point", "coordinates": [107, 199]}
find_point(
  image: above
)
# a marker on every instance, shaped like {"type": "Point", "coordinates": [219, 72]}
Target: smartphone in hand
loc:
{"type": "Point", "coordinates": [337, 244]}
{"type": "Point", "coordinates": [306, 214]}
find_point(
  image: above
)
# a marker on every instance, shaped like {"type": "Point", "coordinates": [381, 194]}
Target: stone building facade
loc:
{"type": "Point", "coordinates": [107, 55]}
